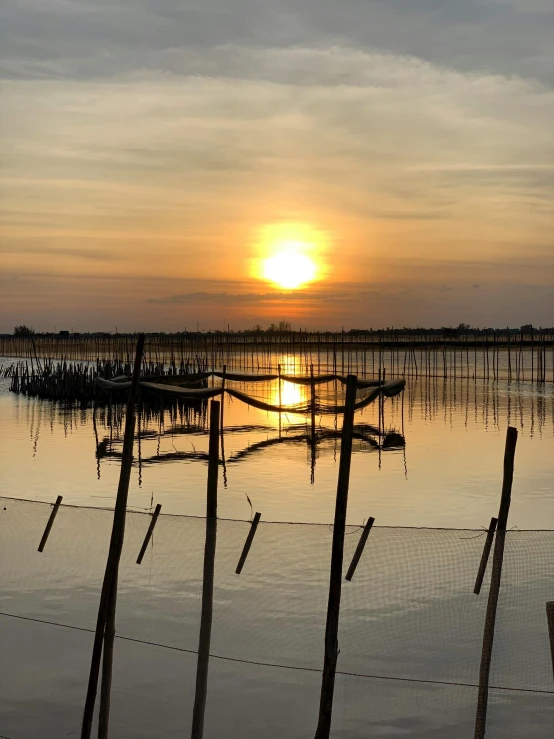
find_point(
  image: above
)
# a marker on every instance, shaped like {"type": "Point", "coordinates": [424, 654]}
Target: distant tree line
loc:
{"type": "Point", "coordinates": [284, 327]}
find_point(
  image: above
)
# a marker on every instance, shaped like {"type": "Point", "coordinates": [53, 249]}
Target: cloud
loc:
{"type": "Point", "coordinates": [64, 253]}
{"type": "Point", "coordinates": [256, 298]}
{"type": "Point", "coordinates": [79, 39]}
{"type": "Point", "coordinates": [153, 142]}
{"type": "Point", "coordinates": [397, 139]}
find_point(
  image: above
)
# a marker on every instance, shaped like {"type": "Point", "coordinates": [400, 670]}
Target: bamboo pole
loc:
{"type": "Point", "coordinates": [50, 523]}
{"type": "Point", "coordinates": [149, 533]}
{"type": "Point", "coordinates": [498, 557]}
{"type": "Point", "coordinates": [280, 400]}
{"type": "Point", "coordinates": [485, 556]}
{"type": "Point", "coordinates": [359, 548]}
{"type": "Point", "coordinates": [550, 619]}
{"type": "Point", "coordinates": [337, 555]}
{"type": "Point", "coordinates": [248, 542]}
{"type": "Point", "coordinates": [107, 663]}
{"type": "Point", "coordinates": [208, 579]}
{"type": "Point", "coordinates": [312, 403]}
{"type": "Point", "coordinates": [108, 594]}
{"type": "Point", "coordinates": [224, 373]}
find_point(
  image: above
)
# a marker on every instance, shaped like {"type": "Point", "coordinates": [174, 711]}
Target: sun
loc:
{"type": "Point", "coordinates": [289, 255]}
{"type": "Point", "coordinates": [289, 269]}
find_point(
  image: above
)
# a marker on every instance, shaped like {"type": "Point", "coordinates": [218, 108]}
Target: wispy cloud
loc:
{"type": "Point", "coordinates": [144, 144]}
{"type": "Point", "coordinates": [225, 298]}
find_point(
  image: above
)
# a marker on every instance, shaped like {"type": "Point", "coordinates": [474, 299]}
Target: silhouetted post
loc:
{"type": "Point", "coordinates": [248, 542]}
{"type": "Point", "coordinates": [532, 354]}
{"type": "Point", "coordinates": [485, 556]}
{"type": "Point", "coordinates": [496, 576]}
{"type": "Point", "coordinates": [509, 356]}
{"type": "Point", "coordinates": [280, 400]}
{"type": "Point", "coordinates": [149, 533]}
{"type": "Point", "coordinates": [550, 619]}
{"type": "Point", "coordinates": [107, 664]}
{"type": "Point", "coordinates": [312, 401]}
{"type": "Point", "coordinates": [109, 593]}
{"type": "Point", "coordinates": [208, 581]}
{"type": "Point", "coordinates": [337, 554]}
{"type": "Point", "coordinates": [50, 523]}
{"type": "Point", "coordinates": [223, 396]}
{"type": "Point", "coordinates": [359, 549]}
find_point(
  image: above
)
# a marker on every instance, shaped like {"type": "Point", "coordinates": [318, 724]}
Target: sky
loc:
{"type": "Point", "coordinates": [154, 154]}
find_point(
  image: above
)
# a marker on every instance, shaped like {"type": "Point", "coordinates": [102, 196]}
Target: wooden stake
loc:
{"type": "Point", "coordinates": [337, 555]}
{"type": "Point", "coordinates": [208, 581]}
{"type": "Point", "coordinates": [248, 542]}
{"type": "Point", "coordinates": [359, 549]}
{"type": "Point", "coordinates": [109, 594]}
{"type": "Point", "coordinates": [550, 619]}
{"type": "Point", "coordinates": [498, 557]}
{"type": "Point", "coordinates": [224, 373]}
{"type": "Point", "coordinates": [107, 664]}
{"type": "Point", "coordinates": [312, 402]}
{"type": "Point", "coordinates": [50, 523]}
{"type": "Point", "coordinates": [149, 533]}
{"type": "Point", "coordinates": [280, 399]}
{"type": "Point", "coordinates": [485, 556]}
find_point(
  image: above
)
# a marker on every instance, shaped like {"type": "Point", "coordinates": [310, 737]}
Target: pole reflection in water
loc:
{"type": "Point", "coordinates": [290, 461]}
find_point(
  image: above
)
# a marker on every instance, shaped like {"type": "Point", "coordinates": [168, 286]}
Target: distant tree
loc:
{"type": "Point", "coordinates": [281, 327]}
{"type": "Point", "coordinates": [23, 330]}
{"type": "Point", "coordinates": [463, 328]}
{"type": "Point", "coordinates": [257, 328]}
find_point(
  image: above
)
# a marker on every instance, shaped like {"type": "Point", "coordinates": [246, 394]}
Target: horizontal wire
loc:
{"type": "Point", "coordinates": [281, 666]}
{"type": "Point", "coordinates": [282, 523]}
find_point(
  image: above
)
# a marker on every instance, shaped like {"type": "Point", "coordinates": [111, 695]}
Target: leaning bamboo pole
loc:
{"type": "Point", "coordinates": [109, 592]}
{"type": "Point", "coordinates": [496, 576]}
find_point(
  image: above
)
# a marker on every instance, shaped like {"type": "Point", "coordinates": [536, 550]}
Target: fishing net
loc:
{"type": "Point", "coordinates": [368, 391]}
{"type": "Point", "coordinates": [410, 629]}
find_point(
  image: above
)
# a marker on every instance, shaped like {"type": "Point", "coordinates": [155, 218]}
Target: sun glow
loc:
{"type": "Point", "coordinates": [289, 269]}
{"type": "Point", "coordinates": [289, 255]}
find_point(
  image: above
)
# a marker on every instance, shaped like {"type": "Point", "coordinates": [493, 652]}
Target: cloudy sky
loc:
{"type": "Point", "coordinates": [149, 147]}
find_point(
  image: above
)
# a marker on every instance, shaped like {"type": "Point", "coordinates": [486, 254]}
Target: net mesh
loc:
{"type": "Point", "coordinates": [410, 629]}
{"type": "Point", "coordinates": [367, 391]}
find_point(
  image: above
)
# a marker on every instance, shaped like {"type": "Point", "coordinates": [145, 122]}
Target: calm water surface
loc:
{"type": "Point", "coordinates": [446, 473]}
{"type": "Point", "coordinates": [409, 612]}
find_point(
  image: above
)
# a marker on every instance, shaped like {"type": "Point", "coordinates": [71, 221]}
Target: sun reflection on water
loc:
{"type": "Point", "coordinates": [289, 393]}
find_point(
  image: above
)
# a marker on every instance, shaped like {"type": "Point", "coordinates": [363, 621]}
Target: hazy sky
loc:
{"type": "Point", "coordinates": [147, 147]}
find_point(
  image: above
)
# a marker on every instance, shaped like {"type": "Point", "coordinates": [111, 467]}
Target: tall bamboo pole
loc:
{"type": "Point", "coordinates": [208, 581]}
{"type": "Point", "coordinates": [312, 403]}
{"type": "Point", "coordinates": [337, 554]}
{"type": "Point", "coordinates": [109, 594]}
{"type": "Point", "coordinates": [496, 576]}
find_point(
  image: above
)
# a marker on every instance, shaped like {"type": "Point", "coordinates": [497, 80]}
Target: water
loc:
{"type": "Point", "coordinates": [409, 612]}
{"type": "Point", "coordinates": [448, 473]}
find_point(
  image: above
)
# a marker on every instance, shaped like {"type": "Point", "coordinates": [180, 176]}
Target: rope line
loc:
{"type": "Point", "coordinates": [281, 666]}
{"type": "Point", "coordinates": [146, 512]}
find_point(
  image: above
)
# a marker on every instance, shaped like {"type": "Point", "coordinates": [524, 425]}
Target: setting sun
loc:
{"type": "Point", "coordinates": [289, 269]}
{"type": "Point", "coordinates": [289, 255]}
